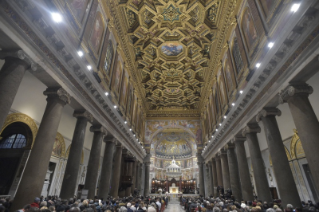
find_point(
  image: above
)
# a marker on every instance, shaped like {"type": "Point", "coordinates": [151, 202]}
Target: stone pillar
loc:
{"type": "Point", "coordinates": [69, 183]}
{"type": "Point", "coordinates": [282, 170]}
{"type": "Point", "coordinates": [142, 183]}
{"type": "Point", "coordinates": [306, 123]}
{"type": "Point", "coordinates": [133, 178]}
{"type": "Point", "coordinates": [36, 168]}
{"type": "Point", "coordinates": [147, 163]}
{"type": "Point", "coordinates": [129, 162]}
{"type": "Point", "coordinates": [211, 178]}
{"type": "Point", "coordinates": [215, 182]}
{"type": "Point", "coordinates": [116, 175]}
{"type": "Point", "coordinates": [246, 184]}
{"type": "Point", "coordinates": [219, 171]}
{"type": "Point", "coordinates": [262, 187]}
{"type": "Point", "coordinates": [94, 160]}
{"type": "Point", "coordinates": [106, 172]}
{"type": "Point", "coordinates": [137, 176]}
{"type": "Point", "coordinates": [233, 172]}
{"type": "Point", "coordinates": [200, 162]}
{"type": "Point", "coordinates": [11, 76]}
{"type": "Point", "coordinates": [225, 169]}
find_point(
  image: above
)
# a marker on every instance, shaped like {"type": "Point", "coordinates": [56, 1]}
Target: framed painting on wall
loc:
{"type": "Point", "coordinates": [249, 30]}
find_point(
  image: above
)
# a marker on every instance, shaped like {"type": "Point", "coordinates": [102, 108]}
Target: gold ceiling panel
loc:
{"type": "Point", "coordinates": [171, 41]}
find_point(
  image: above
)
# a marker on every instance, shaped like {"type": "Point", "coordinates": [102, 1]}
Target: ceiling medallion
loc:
{"type": "Point", "coordinates": [171, 13]}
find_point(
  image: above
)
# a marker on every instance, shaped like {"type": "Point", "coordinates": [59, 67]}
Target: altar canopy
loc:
{"type": "Point", "coordinates": [173, 189]}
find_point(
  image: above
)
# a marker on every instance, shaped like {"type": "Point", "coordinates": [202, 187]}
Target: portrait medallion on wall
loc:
{"type": "Point", "coordinates": [249, 29]}
{"type": "Point", "coordinates": [98, 27]}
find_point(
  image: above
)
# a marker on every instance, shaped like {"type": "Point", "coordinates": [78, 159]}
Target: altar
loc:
{"type": "Point", "coordinates": [173, 189]}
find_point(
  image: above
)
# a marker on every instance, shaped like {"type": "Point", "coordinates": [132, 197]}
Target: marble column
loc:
{"type": "Point", "coordinates": [282, 170]}
{"type": "Point", "coordinates": [36, 168]}
{"type": "Point", "coordinates": [233, 172]}
{"type": "Point", "coordinates": [246, 185]}
{"type": "Point", "coordinates": [94, 160]}
{"type": "Point", "coordinates": [116, 175]}
{"type": "Point", "coordinates": [219, 171]}
{"type": "Point", "coordinates": [225, 169]}
{"type": "Point", "coordinates": [200, 162]}
{"type": "Point", "coordinates": [129, 162]}
{"type": "Point", "coordinates": [11, 75]}
{"type": "Point", "coordinates": [215, 182]}
{"type": "Point", "coordinates": [69, 183]}
{"type": "Point", "coordinates": [211, 178]}
{"type": "Point", "coordinates": [208, 180]}
{"type": "Point", "coordinates": [142, 183]}
{"type": "Point", "coordinates": [138, 176]}
{"type": "Point", "coordinates": [262, 187]}
{"type": "Point", "coordinates": [106, 172]}
{"type": "Point", "coordinates": [133, 178]}
{"type": "Point", "coordinates": [147, 163]}
{"type": "Point", "coordinates": [306, 123]}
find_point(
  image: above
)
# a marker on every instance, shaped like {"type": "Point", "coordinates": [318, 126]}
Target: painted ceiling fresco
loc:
{"type": "Point", "coordinates": [172, 41]}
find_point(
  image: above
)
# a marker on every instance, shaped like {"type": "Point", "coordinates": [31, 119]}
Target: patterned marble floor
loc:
{"type": "Point", "coordinates": [174, 206]}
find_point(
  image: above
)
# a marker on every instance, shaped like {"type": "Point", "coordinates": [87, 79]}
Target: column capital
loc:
{"type": "Point", "coordinates": [229, 146]}
{"type": "Point", "coordinates": [251, 128]}
{"type": "Point", "coordinates": [238, 139]}
{"type": "Point", "coordinates": [98, 128]}
{"type": "Point", "coordinates": [21, 56]}
{"type": "Point", "coordinates": [59, 93]}
{"type": "Point", "coordinates": [270, 111]}
{"type": "Point", "coordinates": [200, 158]}
{"type": "Point", "coordinates": [222, 153]}
{"type": "Point", "coordinates": [294, 89]}
{"type": "Point", "coordinates": [112, 140]}
{"type": "Point", "coordinates": [83, 114]}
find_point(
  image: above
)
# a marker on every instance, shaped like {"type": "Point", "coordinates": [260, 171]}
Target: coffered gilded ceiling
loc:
{"type": "Point", "coordinates": [172, 42]}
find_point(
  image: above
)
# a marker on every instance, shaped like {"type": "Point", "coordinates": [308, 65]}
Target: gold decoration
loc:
{"type": "Point", "coordinates": [59, 146]}
{"type": "Point", "coordinates": [296, 149]}
{"type": "Point", "coordinates": [20, 117]}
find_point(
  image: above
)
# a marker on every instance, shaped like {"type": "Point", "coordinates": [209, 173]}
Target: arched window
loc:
{"type": "Point", "coordinates": [13, 141]}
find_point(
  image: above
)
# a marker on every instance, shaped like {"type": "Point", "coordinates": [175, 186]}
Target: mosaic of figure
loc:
{"type": "Point", "coordinates": [57, 148]}
{"type": "Point", "coordinates": [109, 57]}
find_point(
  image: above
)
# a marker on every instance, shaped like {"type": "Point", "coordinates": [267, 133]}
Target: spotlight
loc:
{"type": "Point", "coordinates": [209, 141]}
{"type": "Point", "coordinates": [233, 104]}
{"type": "Point", "coordinates": [212, 136]}
{"type": "Point", "coordinates": [241, 91]}
{"type": "Point", "coordinates": [106, 93]}
{"type": "Point", "coordinates": [56, 17]}
{"type": "Point", "coordinates": [80, 53]}
{"type": "Point", "coordinates": [220, 124]}
{"type": "Point", "coordinates": [295, 7]}
{"type": "Point", "coordinates": [225, 117]}
{"type": "Point", "coordinates": [130, 129]}
{"type": "Point", "coordinates": [89, 67]}
{"type": "Point", "coordinates": [216, 130]}
{"type": "Point", "coordinates": [125, 122]}
{"type": "Point", "coordinates": [258, 65]}
{"type": "Point", "coordinates": [270, 45]}
{"type": "Point", "coordinates": [115, 106]}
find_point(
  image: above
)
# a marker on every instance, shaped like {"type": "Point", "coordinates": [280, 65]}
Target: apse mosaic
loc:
{"type": "Point", "coordinates": [189, 127]}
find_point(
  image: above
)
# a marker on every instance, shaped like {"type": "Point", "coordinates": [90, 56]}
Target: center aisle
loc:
{"type": "Point", "coordinates": [174, 206]}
